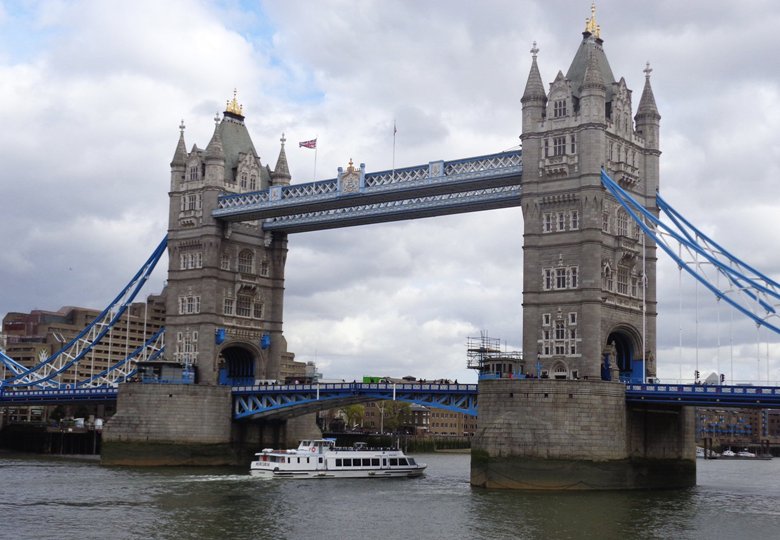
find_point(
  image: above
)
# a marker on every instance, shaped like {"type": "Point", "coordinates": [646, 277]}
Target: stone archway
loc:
{"type": "Point", "coordinates": [624, 342]}
{"type": "Point", "coordinates": [239, 364]}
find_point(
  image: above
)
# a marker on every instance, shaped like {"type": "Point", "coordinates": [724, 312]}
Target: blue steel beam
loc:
{"type": "Point", "coordinates": [296, 399]}
{"type": "Point", "coordinates": [11, 397]}
{"type": "Point", "coordinates": [704, 395]}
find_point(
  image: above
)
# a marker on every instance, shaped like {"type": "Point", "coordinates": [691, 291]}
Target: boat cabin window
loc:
{"type": "Point", "coordinates": [375, 462]}
{"type": "Point", "coordinates": [411, 461]}
{"type": "Point", "coordinates": [393, 462]}
{"type": "Point", "coordinates": [366, 462]}
{"type": "Point", "coordinates": [320, 460]}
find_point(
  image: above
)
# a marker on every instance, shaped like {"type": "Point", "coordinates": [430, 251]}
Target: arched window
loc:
{"type": "Point", "coordinates": [243, 180]}
{"type": "Point", "coordinates": [253, 182]}
{"type": "Point", "coordinates": [246, 261]}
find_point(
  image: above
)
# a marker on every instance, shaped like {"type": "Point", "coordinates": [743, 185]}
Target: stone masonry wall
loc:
{"type": "Point", "coordinates": [551, 419]}
{"type": "Point", "coordinates": [181, 413]}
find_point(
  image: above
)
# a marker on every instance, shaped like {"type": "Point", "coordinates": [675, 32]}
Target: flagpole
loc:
{"type": "Point", "coordinates": [315, 157]}
{"type": "Point", "coordinates": [394, 132]}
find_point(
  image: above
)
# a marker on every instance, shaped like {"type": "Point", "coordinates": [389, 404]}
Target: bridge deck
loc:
{"type": "Point", "coordinates": [295, 399]}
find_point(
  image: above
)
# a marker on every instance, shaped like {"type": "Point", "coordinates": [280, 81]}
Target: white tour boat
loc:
{"type": "Point", "coordinates": [321, 458]}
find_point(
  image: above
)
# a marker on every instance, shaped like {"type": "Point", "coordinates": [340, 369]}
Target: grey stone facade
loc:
{"type": "Point", "coordinates": [584, 259]}
{"type": "Point", "coordinates": [224, 275]}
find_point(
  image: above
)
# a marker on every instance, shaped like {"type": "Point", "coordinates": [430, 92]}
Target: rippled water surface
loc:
{"type": "Point", "coordinates": [52, 498]}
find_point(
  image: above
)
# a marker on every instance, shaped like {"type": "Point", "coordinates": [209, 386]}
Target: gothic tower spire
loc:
{"type": "Point", "coordinates": [281, 174]}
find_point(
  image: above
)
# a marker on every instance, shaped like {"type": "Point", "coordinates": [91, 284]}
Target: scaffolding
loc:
{"type": "Point", "coordinates": [485, 354]}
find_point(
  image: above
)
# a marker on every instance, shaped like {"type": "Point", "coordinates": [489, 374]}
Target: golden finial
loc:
{"type": "Point", "coordinates": [351, 166]}
{"type": "Point", "coordinates": [590, 24]}
{"type": "Point", "coordinates": [233, 106]}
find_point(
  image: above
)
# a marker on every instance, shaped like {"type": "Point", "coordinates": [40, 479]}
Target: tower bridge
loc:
{"type": "Point", "coordinates": [587, 181]}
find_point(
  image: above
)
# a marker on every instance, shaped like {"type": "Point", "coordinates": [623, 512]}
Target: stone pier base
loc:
{"type": "Point", "coordinates": [169, 425]}
{"type": "Point", "coordinates": [578, 435]}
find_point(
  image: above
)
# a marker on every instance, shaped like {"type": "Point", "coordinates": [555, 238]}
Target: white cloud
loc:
{"type": "Point", "coordinates": [92, 92]}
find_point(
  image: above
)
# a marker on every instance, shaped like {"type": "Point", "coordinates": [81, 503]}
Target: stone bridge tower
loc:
{"type": "Point", "coordinates": [225, 280]}
{"type": "Point", "coordinates": [585, 261]}
{"type": "Point", "coordinates": [584, 303]}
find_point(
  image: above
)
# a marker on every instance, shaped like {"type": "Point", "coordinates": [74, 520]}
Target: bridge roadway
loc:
{"type": "Point", "coordinates": [281, 401]}
{"type": "Point", "coordinates": [358, 198]}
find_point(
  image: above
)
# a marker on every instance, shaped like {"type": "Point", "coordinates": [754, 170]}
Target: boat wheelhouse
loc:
{"type": "Point", "coordinates": [321, 458]}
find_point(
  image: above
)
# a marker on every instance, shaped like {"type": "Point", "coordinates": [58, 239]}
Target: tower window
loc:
{"type": "Point", "coordinates": [546, 148]}
{"type": "Point", "coordinates": [548, 279]}
{"type": "Point", "coordinates": [608, 279]}
{"type": "Point", "coordinates": [560, 278]}
{"type": "Point", "coordinates": [253, 182]}
{"type": "Point", "coordinates": [243, 180]}
{"type": "Point", "coordinates": [559, 108]}
{"type": "Point", "coordinates": [244, 305]}
{"type": "Point", "coordinates": [622, 223]}
{"type": "Point", "coordinates": [559, 146]}
{"type": "Point", "coordinates": [228, 306]}
{"type": "Point", "coordinates": [245, 262]}
{"type": "Point", "coordinates": [547, 223]}
{"type": "Point", "coordinates": [189, 305]}
{"type": "Point", "coordinates": [605, 222]}
{"type": "Point", "coordinates": [561, 221]}
{"type": "Point", "coordinates": [573, 143]}
{"type": "Point", "coordinates": [574, 220]}
{"type": "Point", "coordinates": [622, 280]}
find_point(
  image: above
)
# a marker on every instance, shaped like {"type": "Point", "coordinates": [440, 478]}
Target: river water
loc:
{"type": "Point", "coordinates": [45, 497]}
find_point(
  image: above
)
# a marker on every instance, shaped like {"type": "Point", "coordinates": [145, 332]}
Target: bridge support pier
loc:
{"type": "Point", "coordinates": [188, 424]}
{"type": "Point", "coordinates": [578, 435]}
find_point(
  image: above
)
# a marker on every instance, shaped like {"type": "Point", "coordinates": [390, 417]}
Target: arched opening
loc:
{"type": "Point", "coordinates": [560, 371]}
{"type": "Point", "coordinates": [239, 366]}
{"type": "Point", "coordinates": [624, 354]}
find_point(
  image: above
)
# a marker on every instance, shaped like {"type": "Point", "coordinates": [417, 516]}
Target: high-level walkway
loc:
{"type": "Point", "coordinates": [434, 189]}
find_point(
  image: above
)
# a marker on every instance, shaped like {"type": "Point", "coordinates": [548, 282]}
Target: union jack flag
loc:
{"type": "Point", "coordinates": [308, 144]}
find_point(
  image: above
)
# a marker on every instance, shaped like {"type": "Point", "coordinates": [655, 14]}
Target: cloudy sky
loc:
{"type": "Point", "coordinates": [92, 93]}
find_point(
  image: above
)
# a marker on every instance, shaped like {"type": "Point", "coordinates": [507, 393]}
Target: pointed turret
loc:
{"type": "Point", "coordinates": [534, 98]}
{"type": "Point", "coordinates": [215, 157]}
{"type": "Point", "coordinates": [534, 88]}
{"type": "Point", "coordinates": [180, 155]}
{"type": "Point", "coordinates": [281, 174]}
{"type": "Point", "coordinates": [214, 150]}
{"type": "Point", "coordinates": [647, 106]}
{"type": "Point", "coordinates": [647, 117]}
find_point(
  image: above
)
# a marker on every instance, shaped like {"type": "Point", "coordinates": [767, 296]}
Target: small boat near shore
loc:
{"type": "Point", "coordinates": [701, 453]}
{"type": "Point", "coordinates": [321, 458]}
{"type": "Point", "coordinates": [742, 454]}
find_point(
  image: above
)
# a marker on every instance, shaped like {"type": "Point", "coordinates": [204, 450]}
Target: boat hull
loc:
{"type": "Point", "coordinates": [321, 474]}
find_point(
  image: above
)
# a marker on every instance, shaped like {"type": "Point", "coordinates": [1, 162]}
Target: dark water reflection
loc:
{"type": "Point", "coordinates": [44, 498]}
